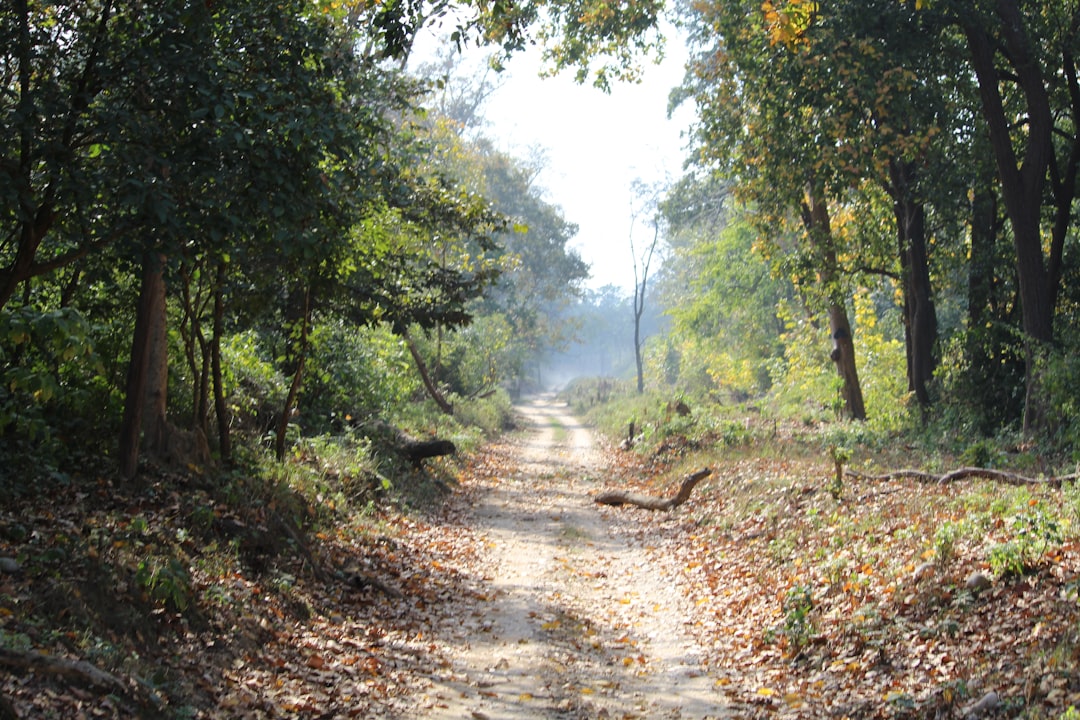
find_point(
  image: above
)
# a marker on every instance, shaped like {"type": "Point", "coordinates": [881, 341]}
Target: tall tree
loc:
{"type": "Point", "coordinates": [646, 201]}
{"type": "Point", "coordinates": [1024, 57]}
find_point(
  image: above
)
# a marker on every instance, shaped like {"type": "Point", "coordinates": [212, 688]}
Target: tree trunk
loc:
{"type": "Point", "coordinates": [638, 360]}
{"type": "Point", "coordinates": [920, 317]}
{"type": "Point", "coordinates": [294, 386]}
{"type": "Point", "coordinates": [145, 397]}
{"type": "Point", "coordinates": [425, 376]}
{"type": "Point", "coordinates": [843, 355]}
{"type": "Point", "coordinates": [984, 229]}
{"type": "Point", "coordinates": [1022, 182]}
{"type": "Point", "coordinates": [819, 230]}
{"type": "Point", "coordinates": [221, 409]}
{"type": "Point", "coordinates": [650, 502]}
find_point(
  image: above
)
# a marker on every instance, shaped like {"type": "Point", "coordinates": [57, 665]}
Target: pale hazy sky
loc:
{"type": "Point", "coordinates": [595, 145]}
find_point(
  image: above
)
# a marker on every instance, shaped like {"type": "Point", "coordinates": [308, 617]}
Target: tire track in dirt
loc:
{"type": "Point", "coordinates": [571, 621]}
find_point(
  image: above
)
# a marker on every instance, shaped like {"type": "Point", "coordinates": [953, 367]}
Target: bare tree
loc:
{"type": "Point", "coordinates": [648, 197]}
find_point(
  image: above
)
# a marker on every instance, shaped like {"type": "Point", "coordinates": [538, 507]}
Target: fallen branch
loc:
{"type": "Point", "coordinates": [649, 502]}
{"type": "Point", "coordinates": [415, 450]}
{"type": "Point", "coordinates": [80, 672]}
{"type": "Point", "coordinates": [964, 473]}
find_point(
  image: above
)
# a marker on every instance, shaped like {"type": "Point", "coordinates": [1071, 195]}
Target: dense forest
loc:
{"type": "Point", "coordinates": [206, 238]}
{"type": "Point", "coordinates": [253, 255]}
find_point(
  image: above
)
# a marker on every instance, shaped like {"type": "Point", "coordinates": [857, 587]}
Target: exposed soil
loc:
{"type": "Point", "coordinates": [576, 618]}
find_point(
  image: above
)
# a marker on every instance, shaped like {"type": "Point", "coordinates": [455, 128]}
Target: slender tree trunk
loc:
{"type": "Point", "coordinates": [425, 376]}
{"type": "Point", "coordinates": [221, 409]}
{"type": "Point", "coordinates": [639, 306]}
{"type": "Point", "coordinates": [297, 380]}
{"type": "Point", "coordinates": [641, 284]}
{"type": "Point", "coordinates": [843, 355]}
{"type": "Point", "coordinates": [191, 330]}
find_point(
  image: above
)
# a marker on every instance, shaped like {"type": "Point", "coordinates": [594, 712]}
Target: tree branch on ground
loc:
{"type": "Point", "coordinates": [651, 502]}
{"type": "Point", "coordinates": [81, 672]}
{"type": "Point", "coordinates": [964, 473]}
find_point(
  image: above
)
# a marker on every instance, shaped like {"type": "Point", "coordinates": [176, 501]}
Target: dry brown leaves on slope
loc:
{"type": "Point", "coordinates": [236, 635]}
{"type": "Point", "coordinates": [858, 607]}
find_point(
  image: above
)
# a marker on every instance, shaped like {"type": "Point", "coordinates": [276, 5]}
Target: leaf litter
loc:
{"type": "Point", "coordinates": [766, 594]}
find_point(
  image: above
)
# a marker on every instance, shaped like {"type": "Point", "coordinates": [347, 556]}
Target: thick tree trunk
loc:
{"type": "Point", "coordinates": [1022, 182]}
{"type": "Point", "coordinates": [144, 402]}
{"type": "Point", "coordinates": [145, 426]}
{"type": "Point", "coordinates": [819, 229]}
{"type": "Point", "coordinates": [920, 317]}
{"type": "Point", "coordinates": [984, 229]}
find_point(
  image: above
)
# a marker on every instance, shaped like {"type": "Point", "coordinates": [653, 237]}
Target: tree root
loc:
{"type": "Point", "coordinates": [83, 673]}
{"type": "Point", "coordinates": [649, 502]}
{"type": "Point", "coordinates": [964, 473]}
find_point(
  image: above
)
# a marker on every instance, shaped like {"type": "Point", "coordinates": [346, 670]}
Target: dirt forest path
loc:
{"type": "Point", "coordinates": [573, 619]}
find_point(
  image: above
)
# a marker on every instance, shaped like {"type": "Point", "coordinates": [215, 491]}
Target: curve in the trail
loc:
{"type": "Point", "coordinates": [574, 622]}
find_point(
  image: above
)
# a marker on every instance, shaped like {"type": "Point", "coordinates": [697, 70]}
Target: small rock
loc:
{"type": "Point", "coordinates": [977, 582]}
{"type": "Point", "coordinates": [9, 565]}
{"type": "Point", "coordinates": [987, 703]}
{"type": "Point", "coordinates": [922, 572]}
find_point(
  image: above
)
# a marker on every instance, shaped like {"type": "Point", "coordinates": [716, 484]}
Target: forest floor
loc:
{"type": "Point", "coordinates": [774, 591]}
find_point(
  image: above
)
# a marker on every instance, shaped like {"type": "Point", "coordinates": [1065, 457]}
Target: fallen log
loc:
{"type": "Point", "coordinates": [617, 498]}
{"type": "Point", "coordinates": [964, 473]}
{"type": "Point", "coordinates": [415, 450]}
{"type": "Point", "coordinates": [418, 450]}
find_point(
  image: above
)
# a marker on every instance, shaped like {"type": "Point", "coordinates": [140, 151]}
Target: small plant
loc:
{"type": "Point", "coordinates": [840, 457]}
{"type": "Point", "coordinates": [165, 582]}
{"type": "Point", "coordinates": [1070, 495]}
{"type": "Point", "coordinates": [1034, 531]}
{"type": "Point", "coordinates": [982, 453]}
{"type": "Point", "coordinates": [945, 542]}
{"type": "Point", "coordinates": [798, 624]}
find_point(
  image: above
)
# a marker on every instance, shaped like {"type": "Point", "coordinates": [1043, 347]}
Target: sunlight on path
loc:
{"type": "Point", "coordinates": [572, 622]}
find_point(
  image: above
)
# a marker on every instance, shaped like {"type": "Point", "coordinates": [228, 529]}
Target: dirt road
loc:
{"type": "Point", "coordinates": [573, 618]}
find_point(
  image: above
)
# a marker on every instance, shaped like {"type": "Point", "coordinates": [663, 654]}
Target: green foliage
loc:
{"type": "Point", "coordinates": [798, 625]}
{"type": "Point", "coordinates": [1033, 530]}
{"type": "Point", "coordinates": [166, 580]}
{"type": "Point", "coordinates": [55, 402]}
{"type": "Point", "coordinates": [722, 298]}
{"type": "Point", "coordinates": [804, 381]}
{"type": "Point", "coordinates": [354, 374]}
{"type": "Point", "coordinates": [982, 379]}
{"type": "Point", "coordinates": [253, 386]}
{"type": "Point", "coordinates": [41, 355]}
{"type": "Point", "coordinates": [982, 453]}
{"type": "Point", "coordinates": [945, 539]}
{"type": "Point", "coordinates": [1061, 381]}
{"type": "Point", "coordinates": [491, 413]}
{"type": "Point", "coordinates": [840, 456]}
